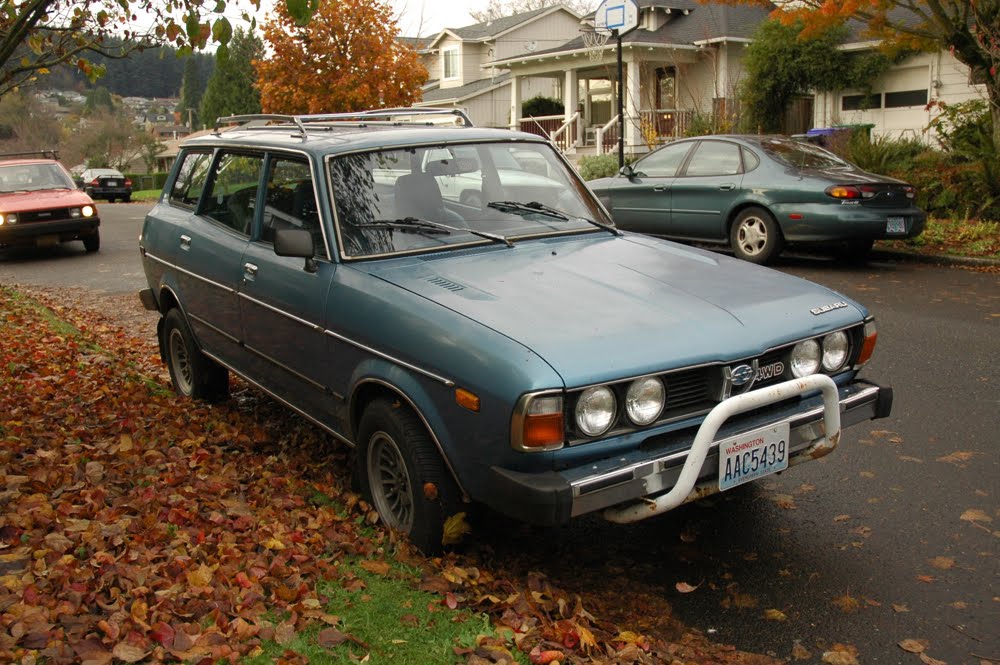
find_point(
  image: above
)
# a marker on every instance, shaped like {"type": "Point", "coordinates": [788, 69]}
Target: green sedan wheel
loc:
{"type": "Point", "coordinates": [755, 236]}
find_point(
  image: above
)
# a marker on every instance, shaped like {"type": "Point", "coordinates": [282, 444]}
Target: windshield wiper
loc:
{"type": "Point", "coordinates": [415, 225]}
{"type": "Point", "coordinates": [517, 208]}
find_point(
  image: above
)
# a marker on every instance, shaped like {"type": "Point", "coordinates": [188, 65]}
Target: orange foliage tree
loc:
{"type": "Point", "coordinates": [345, 59]}
{"type": "Point", "coordinates": [969, 29]}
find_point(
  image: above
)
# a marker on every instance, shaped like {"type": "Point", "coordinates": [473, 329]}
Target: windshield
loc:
{"type": "Point", "coordinates": [33, 177]}
{"type": "Point", "coordinates": [801, 155]}
{"type": "Point", "coordinates": [435, 197]}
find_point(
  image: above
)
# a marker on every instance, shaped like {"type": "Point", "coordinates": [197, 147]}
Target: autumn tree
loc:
{"type": "Point", "coordinates": [346, 58]}
{"type": "Point", "coordinates": [37, 35]}
{"type": "Point", "coordinates": [232, 90]}
{"type": "Point", "coordinates": [970, 29]}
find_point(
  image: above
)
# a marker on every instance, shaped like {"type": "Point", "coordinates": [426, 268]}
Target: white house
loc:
{"type": "Point", "coordinates": [682, 66]}
{"type": "Point", "coordinates": [459, 61]}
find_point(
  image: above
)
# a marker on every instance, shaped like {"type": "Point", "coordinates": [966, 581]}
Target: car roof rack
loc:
{"type": "Point", "coordinates": [44, 154]}
{"type": "Point", "coordinates": [392, 116]}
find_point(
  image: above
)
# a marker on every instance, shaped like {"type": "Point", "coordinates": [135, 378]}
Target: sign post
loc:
{"type": "Point", "coordinates": [618, 17]}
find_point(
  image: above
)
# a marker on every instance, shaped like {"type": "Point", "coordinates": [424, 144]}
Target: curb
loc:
{"type": "Point", "coordinates": [939, 259]}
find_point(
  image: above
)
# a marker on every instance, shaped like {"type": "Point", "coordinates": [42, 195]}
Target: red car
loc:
{"type": "Point", "coordinates": [40, 205]}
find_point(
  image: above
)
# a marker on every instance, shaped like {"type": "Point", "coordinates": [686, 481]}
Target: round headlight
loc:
{"type": "Point", "coordinates": [595, 410]}
{"type": "Point", "coordinates": [644, 400]}
{"type": "Point", "coordinates": [805, 358]}
{"type": "Point", "coordinates": [88, 211]}
{"type": "Point", "coordinates": [835, 347]}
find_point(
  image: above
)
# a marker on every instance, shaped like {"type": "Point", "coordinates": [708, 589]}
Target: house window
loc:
{"type": "Point", "coordinates": [895, 100]}
{"type": "Point", "coordinates": [666, 87]}
{"type": "Point", "coordinates": [450, 63]}
{"type": "Point", "coordinates": [860, 102]}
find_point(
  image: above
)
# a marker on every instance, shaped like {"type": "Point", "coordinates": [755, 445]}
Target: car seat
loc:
{"type": "Point", "coordinates": [418, 195]}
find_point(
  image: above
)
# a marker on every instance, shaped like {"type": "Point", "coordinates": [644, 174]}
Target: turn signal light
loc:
{"type": "Point", "coordinates": [466, 399]}
{"type": "Point", "coordinates": [868, 346]}
{"type": "Point", "coordinates": [542, 430]}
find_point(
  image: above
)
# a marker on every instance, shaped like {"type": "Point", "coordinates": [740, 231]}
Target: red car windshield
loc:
{"type": "Point", "coordinates": [33, 177]}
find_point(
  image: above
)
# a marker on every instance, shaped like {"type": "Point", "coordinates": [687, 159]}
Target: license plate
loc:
{"type": "Point", "coordinates": [112, 183]}
{"type": "Point", "coordinates": [46, 241]}
{"type": "Point", "coordinates": [895, 225]}
{"type": "Point", "coordinates": [752, 455]}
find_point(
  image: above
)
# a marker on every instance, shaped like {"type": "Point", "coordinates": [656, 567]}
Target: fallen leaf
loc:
{"type": "Point", "coordinates": [847, 603]}
{"type": "Point", "coordinates": [540, 657]}
{"type": "Point", "coordinates": [841, 654]}
{"type": "Point", "coordinates": [684, 587]}
{"type": "Point", "coordinates": [129, 652]}
{"type": "Point", "coordinates": [841, 518]}
{"type": "Point", "coordinates": [900, 608]}
{"type": "Point", "coordinates": [866, 474]}
{"type": "Point", "coordinates": [455, 528]}
{"type": "Point", "coordinates": [975, 515]}
{"type": "Point", "coordinates": [330, 637]}
{"type": "Point", "coordinates": [914, 646]}
{"type": "Point", "coordinates": [775, 615]}
{"type": "Point", "coordinates": [926, 579]}
{"type": "Point", "coordinates": [799, 652]}
{"type": "Point", "coordinates": [907, 458]}
{"type": "Point", "coordinates": [931, 661]}
{"type": "Point", "coordinates": [285, 633]}
{"type": "Point", "coordinates": [957, 458]}
{"type": "Point", "coordinates": [942, 562]}
{"type": "Point", "coordinates": [377, 567]}
{"type": "Point", "coordinates": [786, 501]}
{"type": "Point", "coordinates": [958, 605]}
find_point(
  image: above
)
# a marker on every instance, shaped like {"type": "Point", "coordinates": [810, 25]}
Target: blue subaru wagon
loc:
{"type": "Point", "coordinates": [457, 306]}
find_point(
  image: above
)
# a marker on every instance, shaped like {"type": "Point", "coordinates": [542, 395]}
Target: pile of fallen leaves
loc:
{"type": "Point", "coordinates": [139, 526]}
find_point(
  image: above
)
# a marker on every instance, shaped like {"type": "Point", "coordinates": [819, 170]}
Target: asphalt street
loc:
{"type": "Point", "coordinates": [893, 537]}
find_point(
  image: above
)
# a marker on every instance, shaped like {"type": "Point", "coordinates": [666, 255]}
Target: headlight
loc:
{"type": "Point", "coordinates": [805, 358]}
{"type": "Point", "coordinates": [9, 218]}
{"type": "Point", "coordinates": [835, 348]}
{"type": "Point", "coordinates": [88, 211]}
{"type": "Point", "coordinates": [644, 400]}
{"type": "Point", "coordinates": [595, 410]}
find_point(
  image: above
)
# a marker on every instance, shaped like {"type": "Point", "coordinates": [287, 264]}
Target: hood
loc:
{"type": "Point", "coordinates": [43, 199]}
{"type": "Point", "coordinates": [599, 307]}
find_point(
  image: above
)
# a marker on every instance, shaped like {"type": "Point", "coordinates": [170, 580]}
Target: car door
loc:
{"type": "Point", "coordinates": [283, 299]}
{"type": "Point", "coordinates": [705, 189]}
{"type": "Point", "coordinates": [641, 202]}
{"type": "Point", "coordinates": [210, 246]}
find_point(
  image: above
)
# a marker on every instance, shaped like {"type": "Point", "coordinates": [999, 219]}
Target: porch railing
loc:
{"type": "Point", "coordinates": [664, 124]}
{"type": "Point", "coordinates": [564, 133]}
{"type": "Point", "coordinates": [606, 136]}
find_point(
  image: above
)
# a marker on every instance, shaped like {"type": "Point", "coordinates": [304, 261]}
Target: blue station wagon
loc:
{"type": "Point", "coordinates": [457, 306]}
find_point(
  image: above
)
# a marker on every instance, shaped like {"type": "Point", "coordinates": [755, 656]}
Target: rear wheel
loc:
{"type": "Point", "coordinates": [755, 236]}
{"type": "Point", "coordinates": [126, 199]}
{"type": "Point", "coordinates": [193, 373]}
{"type": "Point", "coordinates": [92, 243]}
{"type": "Point", "coordinates": [402, 474]}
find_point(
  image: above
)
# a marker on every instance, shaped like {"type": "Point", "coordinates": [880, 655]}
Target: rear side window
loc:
{"type": "Point", "coordinates": [191, 177]}
{"type": "Point", "coordinates": [715, 158]}
{"type": "Point", "coordinates": [232, 195]}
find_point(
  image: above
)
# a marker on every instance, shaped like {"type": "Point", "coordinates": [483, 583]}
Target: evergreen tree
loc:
{"type": "Point", "coordinates": [232, 89]}
{"type": "Point", "coordinates": [192, 90]}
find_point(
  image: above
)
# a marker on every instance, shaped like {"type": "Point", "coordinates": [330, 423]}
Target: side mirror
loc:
{"type": "Point", "coordinates": [627, 171]}
{"type": "Point", "coordinates": [295, 242]}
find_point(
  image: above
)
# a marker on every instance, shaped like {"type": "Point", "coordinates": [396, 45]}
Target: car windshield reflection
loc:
{"type": "Point", "coordinates": [451, 187]}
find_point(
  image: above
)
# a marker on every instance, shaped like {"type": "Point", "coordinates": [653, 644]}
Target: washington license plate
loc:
{"type": "Point", "coordinates": [895, 225]}
{"type": "Point", "coordinates": [753, 455]}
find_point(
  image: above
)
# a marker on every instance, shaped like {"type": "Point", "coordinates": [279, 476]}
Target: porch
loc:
{"type": "Point", "coordinates": [575, 136]}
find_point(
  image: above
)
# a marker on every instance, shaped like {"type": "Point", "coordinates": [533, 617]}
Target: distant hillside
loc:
{"type": "Point", "coordinates": [154, 72]}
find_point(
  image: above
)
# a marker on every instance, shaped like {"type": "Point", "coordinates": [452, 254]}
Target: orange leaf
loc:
{"type": "Point", "coordinates": [377, 567]}
{"type": "Point", "coordinates": [684, 587]}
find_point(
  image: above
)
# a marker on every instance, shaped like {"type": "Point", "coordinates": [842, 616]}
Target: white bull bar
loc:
{"type": "Point", "coordinates": [716, 418]}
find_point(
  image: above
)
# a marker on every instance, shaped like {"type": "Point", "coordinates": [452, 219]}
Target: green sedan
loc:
{"type": "Point", "coordinates": [758, 194]}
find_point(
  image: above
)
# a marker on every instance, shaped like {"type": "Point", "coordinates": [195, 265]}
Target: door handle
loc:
{"type": "Point", "coordinates": [185, 242]}
{"type": "Point", "coordinates": [249, 270]}
{"type": "Point", "coordinates": [660, 188]}
{"type": "Point", "coordinates": [727, 186]}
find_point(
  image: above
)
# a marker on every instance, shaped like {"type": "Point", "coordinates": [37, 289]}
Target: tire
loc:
{"type": "Point", "coordinates": [193, 374]}
{"type": "Point", "coordinates": [111, 199]}
{"type": "Point", "coordinates": [126, 199]}
{"type": "Point", "coordinates": [755, 236]}
{"type": "Point", "coordinates": [92, 243]}
{"type": "Point", "coordinates": [397, 465]}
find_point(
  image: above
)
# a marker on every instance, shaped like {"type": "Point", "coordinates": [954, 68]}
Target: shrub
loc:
{"type": "Point", "coordinates": [883, 154]}
{"type": "Point", "coordinates": [540, 106]}
{"type": "Point", "coordinates": [141, 181]}
{"type": "Point", "coordinates": [593, 167]}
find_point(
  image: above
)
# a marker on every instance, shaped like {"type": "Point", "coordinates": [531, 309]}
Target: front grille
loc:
{"type": "Point", "coordinates": [56, 215]}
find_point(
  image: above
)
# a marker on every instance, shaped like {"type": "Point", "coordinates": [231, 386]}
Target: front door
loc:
{"type": "Point", "coordinates": [642, 202]}
{"type": "Point", "coordinates": [704, 191]}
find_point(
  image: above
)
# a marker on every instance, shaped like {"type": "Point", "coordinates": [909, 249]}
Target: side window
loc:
{"type": "Point", "coordinates": [191, 177]}
{"type": "Point", "coordinates": [750, 161]}
{"type": "Point", "coordinates": [232, 192]}
{"type": "Point", "coordinates": [664, 162]}
{"type": "Point", "coordinates": [290, 202]}
{"type": "Point", "coordinates": [715, 158]}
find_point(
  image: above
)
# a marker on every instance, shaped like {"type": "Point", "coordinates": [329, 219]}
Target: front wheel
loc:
{"type": "Point", "coordinates": [92, 243]}
{"type": "Point", "coordinates": [755, 236]}
{"type": "Point", "coordinates": [193, 374]}
{"type": "Point", "coordinates": [402, 474]}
